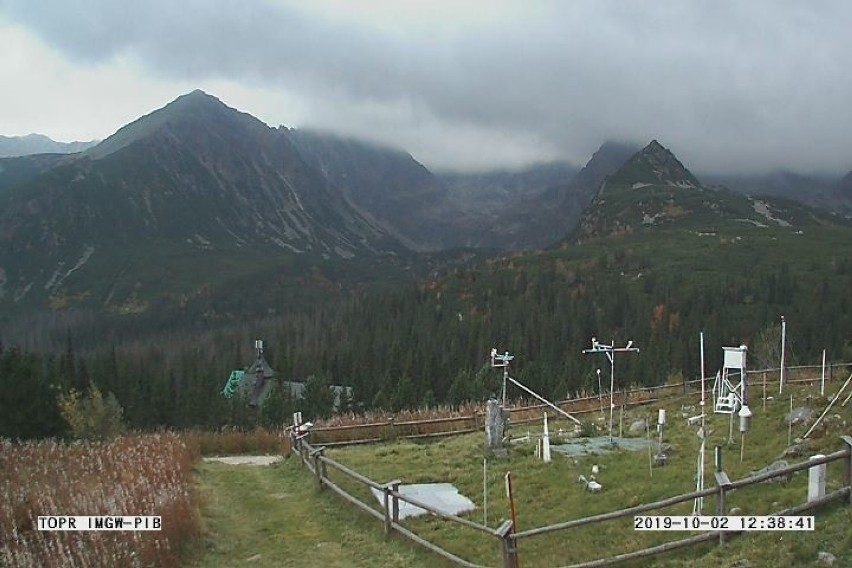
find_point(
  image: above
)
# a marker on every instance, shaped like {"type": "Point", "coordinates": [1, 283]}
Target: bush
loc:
{"type": "Point", "coordinates": [92, 417]}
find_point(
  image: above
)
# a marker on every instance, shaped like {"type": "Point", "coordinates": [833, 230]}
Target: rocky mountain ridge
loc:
{"type": "Point", "coordinates": [13, 146]}
{"type": "Point", "coordinates": [197, 196]}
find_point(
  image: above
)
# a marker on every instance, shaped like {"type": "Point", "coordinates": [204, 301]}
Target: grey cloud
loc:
{"type": "Point", "coordinates": [729, 86]}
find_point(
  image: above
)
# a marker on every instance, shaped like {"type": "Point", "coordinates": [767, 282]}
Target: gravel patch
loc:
{"type": "Point", "coordinates": [245, 460]}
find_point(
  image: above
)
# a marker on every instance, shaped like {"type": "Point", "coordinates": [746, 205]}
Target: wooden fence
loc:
{"type": "Point", "coordinates": [507, 539]}
{"type": "Point", "coordinates": [392, 429]}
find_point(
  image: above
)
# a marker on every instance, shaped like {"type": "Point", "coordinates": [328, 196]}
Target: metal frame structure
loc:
{"type": "Point", "coordinates": [610, 351]}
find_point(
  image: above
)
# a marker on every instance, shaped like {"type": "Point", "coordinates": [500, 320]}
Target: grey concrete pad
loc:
{"type": "Point", "coordinates": [601, 445]}
{"type": "Point", "coordinates": [443, 497]}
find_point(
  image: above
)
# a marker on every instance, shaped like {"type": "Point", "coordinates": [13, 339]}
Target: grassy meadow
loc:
{"type": "Point", "coordinates": [217, 515]}
{"type": "Point", "coordinates": [546, 494]}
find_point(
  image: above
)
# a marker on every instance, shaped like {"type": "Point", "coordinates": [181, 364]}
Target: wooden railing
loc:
{"type": "Point", "coordinates": [318, 463]}
{"type": "Point", "coordinates": [393, 429]}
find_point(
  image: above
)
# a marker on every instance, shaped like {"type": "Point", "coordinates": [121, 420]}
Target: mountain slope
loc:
{"type": "Point", "coordinates": [193, 179]}
{"type": "Point", "coordinates": [386, 185]}
{"type": "Point", "coordinates": [536, 207]}
{"type": "Point", "coordinates": [654, 189]}
{"type": "Point", "coordinates": [24, 168]}
{"type": "Point", "coordinates": [822, 192]}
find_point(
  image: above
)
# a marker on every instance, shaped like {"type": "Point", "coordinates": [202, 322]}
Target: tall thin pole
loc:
{"type": "Point", "coordinates": [702, 378]}
{"type": "Point", "coordinates": [783, 352]}
{"type": "Point", "coordinates": [699, 502]}
{"type": "Point", "coordinates": [822, 380]}
{"type": "Point", "coordinates": [611, 388]}
{"type": "Point", "coordinates": [600, 391]}
{"type": "Point", "coordinates": [485, 491]}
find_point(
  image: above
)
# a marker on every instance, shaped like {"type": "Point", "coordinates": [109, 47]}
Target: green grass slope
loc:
{"type": "Point", "coordinates": [279, 513]}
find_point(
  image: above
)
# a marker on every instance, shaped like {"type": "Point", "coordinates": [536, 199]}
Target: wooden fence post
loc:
{"type": "Point", "coordinates": [475, 421]}
{"type": "Point", "coordinates": [319, 465]}
{"type": "Point", "coordinates": [723, 483]}
{"type": "Point", "coordinates": [391, 505]}
{"type": "Point", "coordinates": [303, 452]}
{"type": "Point", "coordinates": [395, 500]}
{"type": "Point", "coordinates": [388, 527]}
{"type": "Point", "coordinates": [291, 442]}
{"type": "Point", "coordinates": [391, 429]}
{"type": "Point", "coordinates": [848, 481]}
{"type": "Point", "coordinates": [507, 544]}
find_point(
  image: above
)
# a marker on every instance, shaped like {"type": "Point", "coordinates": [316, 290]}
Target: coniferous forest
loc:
{"type": "Point", "coordinates": [427, 342]}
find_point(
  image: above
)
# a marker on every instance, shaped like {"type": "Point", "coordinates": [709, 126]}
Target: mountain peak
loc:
{"type": "Point", "coordinates": [194, 108]}
{"type": "Point", "coordinates": [196, 97]}
{"type": "Point", "coordinates": [655, 165]}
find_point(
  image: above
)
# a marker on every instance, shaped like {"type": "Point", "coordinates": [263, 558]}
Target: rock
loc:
{"type": "Point", "coordinates": [826, 558]}
{"type": "Point", "coordinates": [799, 415]}
{"type": "Point", "coordinates": [735, 511]}
{"type": "Point", "coordinates": [638, 427]}
{"type": "Point", "coordinates": [796, 450]}
{"type": "Point", "coordinates": [774, 466]}
{"type": "Point", "coordinates": [741, 563]}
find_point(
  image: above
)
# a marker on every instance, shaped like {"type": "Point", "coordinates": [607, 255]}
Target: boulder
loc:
{"type": "Point", "coordinates": [799, 415]}
{"type": "Point", "coordinates": [638, 427]}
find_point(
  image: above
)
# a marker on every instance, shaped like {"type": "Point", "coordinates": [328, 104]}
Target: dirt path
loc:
{"type": "Point", "coordinates": [276, 516]}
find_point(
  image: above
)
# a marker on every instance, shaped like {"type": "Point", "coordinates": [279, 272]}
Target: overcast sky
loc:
{"type": "Point", "coordinates": [739, 86]}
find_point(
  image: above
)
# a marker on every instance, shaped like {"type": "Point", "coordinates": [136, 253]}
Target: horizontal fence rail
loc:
{"type": "Point", "coordinates": [393, 429]}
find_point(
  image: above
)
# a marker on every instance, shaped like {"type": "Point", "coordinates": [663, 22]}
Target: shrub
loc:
{"type": "Point", "coordinates": [92, 417]}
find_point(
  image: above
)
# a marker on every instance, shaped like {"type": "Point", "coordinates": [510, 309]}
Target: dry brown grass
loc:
{"type": "Point", "coordinates": [147, 474]}
{"type": "Point", "coordinates": [229, 442]}
{"type": "Point", "coordinates": [382, 416]}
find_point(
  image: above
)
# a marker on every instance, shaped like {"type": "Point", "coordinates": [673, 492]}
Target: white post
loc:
{"type": "Point", "coordinates": [822, 380]}
{"type": "Point", "coordinates": [545, 442]}
{"type": "Point", "coordinates": [783, 351]}
{"type": "Point", "coordinates": [611, 387]}
{"type": "Point", "coordinates": [600, 391]}
{"type": "Point", "coordinates": [699, 478]}
{"type": "Point", "coordinates": [816, 480]}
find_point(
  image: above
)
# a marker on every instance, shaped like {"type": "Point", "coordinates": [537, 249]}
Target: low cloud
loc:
{"type": "Point", "coordinates": [729, 86]}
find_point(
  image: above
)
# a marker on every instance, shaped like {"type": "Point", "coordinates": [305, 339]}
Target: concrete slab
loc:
{"type": "Point", "coordinates": [443, 497]}
{"type": "Point", "coordinates": [601, 445]}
